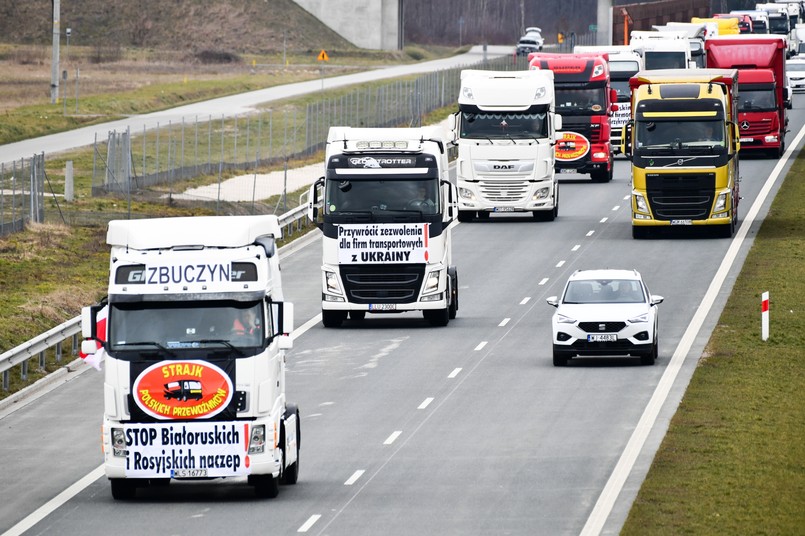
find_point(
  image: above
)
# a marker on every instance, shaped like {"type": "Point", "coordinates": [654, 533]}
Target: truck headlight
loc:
{"type": "Point", "coordinates": [640, 203]}
{"type": "Point", "coordinates": [257, 441]}
{"type": "Point", "coordinates": [118, 442]}
{"type": "Point", "coordinates": [466, 193]}
{"type": "Point", "coordinates": [542, 193]}
{"type": "Point", "coordinates": [721, 203]}
{"type": "Point", "coordinates": [432, 283]}
{"type": "Point", "coordinates": [331, 280]}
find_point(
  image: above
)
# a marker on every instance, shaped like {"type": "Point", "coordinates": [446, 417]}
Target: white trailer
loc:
{"type": "Point", "coordinates": [194, 332]}
{"type": "Point", "coordinates": [506, 129]}
{"type": "Point", "coordinates": [386, 209]}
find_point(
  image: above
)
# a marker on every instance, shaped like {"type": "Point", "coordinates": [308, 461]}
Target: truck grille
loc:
{"type": "Point", "coordinates": [382, 283]}
{"type": "Point", "coordinates": [756, 129]}
{"type": "Point", "coordinates": [681, 196]}
{"type": "Point", "coordinates": [504, 191]}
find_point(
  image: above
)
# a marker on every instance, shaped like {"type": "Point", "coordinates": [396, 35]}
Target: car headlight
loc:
{"type": "Point", "coordinates": [562, 319]}
{"type": "Point", "coordinates": [332, 282]}
{"type": "Point", "coordinates": [640, 319]}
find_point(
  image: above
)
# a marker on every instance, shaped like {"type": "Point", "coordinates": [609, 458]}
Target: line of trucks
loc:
{"type": "Point", "coordinates": [189, 396]}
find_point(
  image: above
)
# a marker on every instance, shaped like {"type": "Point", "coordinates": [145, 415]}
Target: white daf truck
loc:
{"type": "Point", "coordinates": [194, 331]}
{"type": "Point", "coordinates": [386, 208]}
{"type": "Point", "coordinates": [506, 131]}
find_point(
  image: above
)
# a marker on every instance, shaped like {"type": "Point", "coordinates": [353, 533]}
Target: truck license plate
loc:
{"type": "Point", "coordinates": [681, 222]}
{"type": "Point", "coordinates": [567, 170]}
{"type": "Point", "coordinates": [747, 140]}
{"type": "Point", "coordinates": [504, 209]}
{"type": "Point", "coordinates": [607, 337]}
{"type": "Point", "coordinates": [188, 473]}
{"type": "Point", "coordinates": [382, 306]}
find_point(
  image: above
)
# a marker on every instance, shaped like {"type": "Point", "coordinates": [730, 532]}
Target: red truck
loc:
{"type": "Point", "coordinates": [586, 101]}
{"type": "Point", "coordinates": [762, 92]}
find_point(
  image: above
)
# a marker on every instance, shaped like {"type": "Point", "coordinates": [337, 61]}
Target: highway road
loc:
{"type": "Point", "coordinates": [410, 429]}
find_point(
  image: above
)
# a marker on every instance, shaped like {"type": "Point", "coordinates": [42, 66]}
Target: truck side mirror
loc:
{"type": "Point", "coordinates": [452, 200]}
{"type": "Point", "coordinates": [626, 140]}
{"type": "Point", "coordinates": [282, 313]}
{"type": "Point", "coordinates": [314, 203]}
{"type": "Point", "coordinates": [557, 122]}
{"type": "Point", "coordinates": [452, 126]}
{"type": "Point", "coordinates": [613, 98]}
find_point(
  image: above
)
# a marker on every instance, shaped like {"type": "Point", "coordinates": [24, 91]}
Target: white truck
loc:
{"type": "Point", "coordinates": [624, 62]}
{"type": "Point", "coordinates": [192, 389]}
{"type": "Point", "coordinates": [662, 50]}
{"type": "Point", "coordinates": [386, 209]}
{"type": "Point", "coordinates": [506, 130]}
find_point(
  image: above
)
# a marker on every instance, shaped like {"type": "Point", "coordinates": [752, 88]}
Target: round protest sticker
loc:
{"type": "Point", "coordinates": [571, 146]}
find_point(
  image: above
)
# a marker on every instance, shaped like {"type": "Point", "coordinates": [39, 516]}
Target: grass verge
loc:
{"type": "Point", "coordinates": [732, 460]}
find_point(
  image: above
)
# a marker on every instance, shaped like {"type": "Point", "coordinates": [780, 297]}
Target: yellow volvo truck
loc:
{"type": "Point", "coordinates": [683, 143]}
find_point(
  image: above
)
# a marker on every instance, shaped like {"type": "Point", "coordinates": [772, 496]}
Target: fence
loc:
{"type": "Point", "coordinates": [21, 193]}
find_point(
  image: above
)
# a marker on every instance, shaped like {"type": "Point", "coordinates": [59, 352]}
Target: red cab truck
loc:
{"type": "Point", "coordinates": [586, 101]}
{"type": "Point", "coordinates": [760, 60]}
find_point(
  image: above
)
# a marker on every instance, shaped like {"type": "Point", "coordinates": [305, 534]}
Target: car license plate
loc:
{"type": "Point", "coordinates": [188, 473]}
{"type": "Point", "coordinates": [504, 209]}
{"type": "Point", "coordinates": [602, 337]}
{"type": "Point", "coordinates": [681, 222]}
{"type": "Point", "coordinates": [567, 170]}
{"type": "Point", "coordinates": [747, 140]}
{"type": "Point", "coordinates": [382, 306]}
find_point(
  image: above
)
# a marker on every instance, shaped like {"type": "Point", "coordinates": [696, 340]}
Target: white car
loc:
{"type": "Point", "coordinates": [796, 74]}
{"type": "Point", "coordinates": [605, 313]}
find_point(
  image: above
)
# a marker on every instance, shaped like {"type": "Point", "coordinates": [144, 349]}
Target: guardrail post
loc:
{"type": "Point", "coordinates": [5, 380]}
{"type": "Point", "coordinates": [42, 360]}
{"type": "Point", "coordinates": [58, 352]}
{"type": "Point", "coordinates": [24, 370]}
{"type": "Point", "coordinates": [75, 344]}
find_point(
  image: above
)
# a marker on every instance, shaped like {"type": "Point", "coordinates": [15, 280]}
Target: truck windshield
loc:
{"type": "Point", "coordinates": [580, 101]}
{"type": "Point", "coordinates": [146, 326]}
{"type": "Point", "coordinates": [779, 25]}
{"type": "Point", "coordinates": [755, 99]}
{"type": "Point", "coordinates": [679, 134]}
{"type": "Point", "coordinates": [361, 195]}
{"type": "Point", "coordinates": [480, 125]}
{"type": "Point", "coordinates": [665, 60]}
{"type": "Point", "coordinates": [622, 88]}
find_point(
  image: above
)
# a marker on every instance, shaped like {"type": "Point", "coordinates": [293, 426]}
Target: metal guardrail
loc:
{"type": "Point", "coordinates": [291, 221]}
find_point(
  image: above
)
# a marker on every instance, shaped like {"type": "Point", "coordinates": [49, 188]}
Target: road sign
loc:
{"type": "Point", "coordinates": [323, 56]}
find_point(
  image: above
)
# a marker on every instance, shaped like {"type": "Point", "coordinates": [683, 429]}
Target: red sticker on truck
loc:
{"type": "Point", "coordinates": [182, 390]}
{"type": "Point", "coordinates": [571, 146]}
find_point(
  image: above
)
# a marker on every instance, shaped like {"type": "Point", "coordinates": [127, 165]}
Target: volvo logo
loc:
{"type": "Point", "coordinates": [744, 125]}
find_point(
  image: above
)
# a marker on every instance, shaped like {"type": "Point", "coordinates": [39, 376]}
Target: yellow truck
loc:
{"type": "Point", "coordinates": [683, 143]}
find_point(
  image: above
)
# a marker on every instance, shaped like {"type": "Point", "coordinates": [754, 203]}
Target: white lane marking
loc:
{"type": "Point", "coordinates": [454, 373]}
{"type": "Point", "coordinates": [425, 403]}
{"type": "Point", "coordinates": [590, 233]}
{"type": "Point", "coordinates": [354, 478]}
{"type": "Point", "coordinates": [560, 264]}
{"type": "Point", "coordinates": [542, 282]}
{"type": "Point", "coordinates": [606, 501]}
{"type": "Point", "coordinates": [298, 332]}
{"type": "Point", "coordinates": [392, 438]}
{"type": "Point", "coordinates": [576, 247]}
{"type": "Point", "coordinates": [480, 345]}
{"type": "Point", "coordinates": [525, 300]}
{"type": "Point", "coordinates": [626, 197]}
{"type": "Point", "coordinates": [49, 507]}
{"type": "Point", "coordinates": [603, 220]}
{"type": "Point", "coordinates": [309, 523]}
{"type": "Point", "coordinates": [504, 322]}
{"type": "Point", "coordinates": [616, 207]}
{"type": "Point", "coordinates": [326, 404]}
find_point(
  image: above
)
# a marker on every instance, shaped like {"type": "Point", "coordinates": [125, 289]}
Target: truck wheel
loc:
{"type": "Point", "coordinates": [265, 486]}
{"type": "Point", "coordinates": [437, 317]}
{"type": "Point", "coordinates": [639, 232]}
{"type": "Point", "coordinates": [453, 309]}
{"type": "Point", "coordinates": [357, 315]}
{"type": "Point", "coordinates": [466, 215]}
{"type": "Point", "coordinates": [332, 319]}
{"type": "Point", "coordinates": [483, 215]}
{"type": "Point", "coordinates": [122, 488]}
{"type": "Point", "coordinates": [290, 474]}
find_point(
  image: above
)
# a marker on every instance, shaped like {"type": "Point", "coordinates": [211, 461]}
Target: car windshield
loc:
{"type": "Point", "coordinates": [604, 291]}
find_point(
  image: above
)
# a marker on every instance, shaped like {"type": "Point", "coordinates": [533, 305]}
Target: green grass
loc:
{"type": "Point", "coordinates": [732, 460]}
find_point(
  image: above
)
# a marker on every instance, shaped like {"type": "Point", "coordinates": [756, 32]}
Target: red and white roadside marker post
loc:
{"type": "Point", "coordinates": [764, 316]}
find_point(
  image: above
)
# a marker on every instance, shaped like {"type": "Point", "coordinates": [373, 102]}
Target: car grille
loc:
{"type": "Point", "coordinates": [595, 327]}
{"type": "Point", "coordinates": [680, 196]}
{"type": "Point", "coordinates": [382, 283]}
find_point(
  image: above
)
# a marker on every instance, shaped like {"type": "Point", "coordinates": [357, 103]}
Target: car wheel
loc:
{"type": "Point", "coordinates": [559, 360]}
{"type": "Point", "coordinates": [651, 356]}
